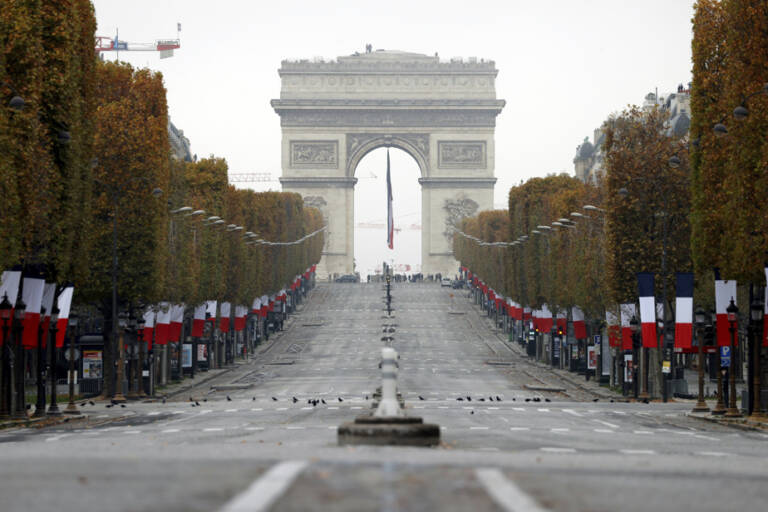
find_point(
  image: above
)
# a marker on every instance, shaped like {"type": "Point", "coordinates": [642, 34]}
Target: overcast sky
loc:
{"type": "Point", "coordinates": [564, 65]}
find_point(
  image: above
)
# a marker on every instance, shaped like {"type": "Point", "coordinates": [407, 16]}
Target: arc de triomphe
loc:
{"type": "Point", "coordinates": [441, 113]}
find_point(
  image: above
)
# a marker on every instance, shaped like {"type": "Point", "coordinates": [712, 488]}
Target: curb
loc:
{"type": "Point", "coordinates": [737, 424]}
{"type": "Point", "coordinates": [46, 421]}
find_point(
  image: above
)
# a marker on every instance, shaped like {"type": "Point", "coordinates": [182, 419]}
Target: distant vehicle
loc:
{"type": "Point", "coordinates": [457, 283]}
{"type": "Point", "coordinates": [446, 281]}
{"type": "Point", "coordinates": [347, 278]}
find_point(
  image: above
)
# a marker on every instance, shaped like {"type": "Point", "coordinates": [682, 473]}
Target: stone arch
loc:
{"type": "Point", "coordinates": [359, 145]}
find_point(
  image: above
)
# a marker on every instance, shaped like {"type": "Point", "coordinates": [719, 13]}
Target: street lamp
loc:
{"type": "Point", "coordinates": [122, 322]}
{"type": "Point", "coordinates": [19, 312]}
{"type": "Point", "coordinates": [140, 353]}
{"type": "Point", "coordinates": [634, 326]}
{"type": "Point", "coordinates": [700, 317]}
{"type": "Point", "coordinates": [72, 323]}
{"type": "Point", "coordinates": [53, 408]}
{"type": "Point", "coordinates": [732, 310]}
{"type": "Point", "coordinates": [133, 346]}
{"type": "Point", "coordinates": [5, 316]}
{"type": "Point", "coordinates": [756, 313]}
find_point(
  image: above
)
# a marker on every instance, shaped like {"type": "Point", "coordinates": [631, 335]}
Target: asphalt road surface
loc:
{"type": "Point", "coordinates": [261, 450]}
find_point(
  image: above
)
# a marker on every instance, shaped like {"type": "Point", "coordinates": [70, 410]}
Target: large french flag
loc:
{"type": "Point", "coordinates": [546, 318]}
{"type": "Point", "coordinates": [240, 314]}
{"type": "Point", "coordinates": [256, 306]}
{"type": "Point", "coordinates": [645, 285]}
{"type": "Point", "coordinates": [627, 312]}
{"type": "Point", "coordinates": [64, 304]}
{"type": "Point", "coordinates": [579, 326]}
{"type": "Point", "coordinates": [32, 295]}
{"type": "Point", "coordinates": [390, 218]}
{"type": "Point", "coordinates": [724, 292]}
{"type": "Point", "coordinates": [198, 321]}
{"type": "Point", "coordinates": [613, 327]}
{"type": "Point", "coordinates": [49, 294]}
{"type": "Point", "coordinates": [264, 306]}
{"type": "Point", "coordinates": [527, 313]}
{"type": "Point", "coordinates": [149, 328]}
{"type": "Point", "coordinates": [225, 313]}
{"type": "Point", "coordinates": [765, 311]}
{"type": "Point", "coordinates": [9, 287]}
{"type": "Point", "coordinates": [177, 320]}
{"type": "Point", "coordinates": [163, 324]}
{"type": "Point", "coordinates": [684, 310]}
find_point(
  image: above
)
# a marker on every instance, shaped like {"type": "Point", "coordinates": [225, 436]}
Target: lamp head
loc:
{"type": "Point", "coordinates": [732, 310]}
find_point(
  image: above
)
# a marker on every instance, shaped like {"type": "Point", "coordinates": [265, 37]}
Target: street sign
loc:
{"type": "Point", "coordinates": [666, 367]}
{"type": "Point", "coordinates": [725, 357]}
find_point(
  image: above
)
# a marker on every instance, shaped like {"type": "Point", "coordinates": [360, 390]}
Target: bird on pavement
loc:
{"type": "Point", "coordinates": [460, 399]}
{"type": "Point", "coordinates": [253, 399]}
{"type": "Point", "coordinates": [527, 399]}
{"type": "Point", "coordinates": [122, 405]}
{"type": "Point", "coordinates": [366, 397]}
{"type": "Point", "coordinates": [421, 397]}
{"type": "Point", "coordinates": [295, 399]}
{"type": "Point", "coordinates": [323, 401]}
{"type": "Point", "coordinates": [595, 399]}
{"type": "Point", "coordinates": [498, 399]}
{"type": "Point", "coordinates": [197, 403]}
{"type": "Point", "coordinates": [190, 399]}
{"type": "Point", "coordinates": [163, 399]}
{"type": "Point", "coordinates": [109, 405]}
{"type": "Point", "coordinates": [91, 402]}
{"type": "Point", "coordinates": [481, 399]}
{"type": "Point", "coordinates": [274, 399]}
{"type": "Point", "coordinates": [490, 399]}
{"type": "Point", "coordinates": [228, 399]}
{"type": "Point", "coordinates": [611, 400]}
{"type": "Point", "coordinates": [547, 400]}
{"type": "Point", "coordinates": [469, 398]}
{"type": "Point", "coordinates": [471, 412]}
{"type": "Point", "coordinates": [341, 399]}
{"type": "Point", "coordinates": [83, 404]}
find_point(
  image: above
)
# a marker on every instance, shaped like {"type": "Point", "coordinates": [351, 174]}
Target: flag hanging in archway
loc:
{"type": "Point", "coordinates": [390, 219]}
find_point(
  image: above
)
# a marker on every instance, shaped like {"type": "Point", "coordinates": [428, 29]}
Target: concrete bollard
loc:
{"type": "Point", "coordinates": [388, 406]}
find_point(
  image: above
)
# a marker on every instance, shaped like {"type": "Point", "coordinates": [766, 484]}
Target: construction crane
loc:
{"type": "Point", "coordinates": [251, 177]}
{"type": "Point", "coordinates": [164, 46]}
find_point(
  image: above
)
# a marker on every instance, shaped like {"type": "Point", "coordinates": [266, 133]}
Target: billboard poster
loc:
{"type": "Point", "coordinates": [628, 368]}
{"type": "Point", "coordinates": [591, 358]}
{"type": "Point", "coordinates": [92, 364]}
{"type": "Point", "coordinates": [186, 355]}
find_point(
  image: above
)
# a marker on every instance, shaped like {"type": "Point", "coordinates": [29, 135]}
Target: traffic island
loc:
{"type": "Point", "coordinates": [391, 431]}
{"type": "Point", "coordinates": [388, 425]}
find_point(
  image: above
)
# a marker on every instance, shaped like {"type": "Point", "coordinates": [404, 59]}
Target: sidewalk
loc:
{"type": "Point", "coordinates": [743, 423]}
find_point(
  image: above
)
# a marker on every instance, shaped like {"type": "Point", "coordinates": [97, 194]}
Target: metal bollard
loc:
{"type": "Point", "coordinates": [388, 406]}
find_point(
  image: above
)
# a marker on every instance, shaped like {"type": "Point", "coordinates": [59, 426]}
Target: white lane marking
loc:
{"type": "Point", "coordinates": [493, 408]}
{"type": "Point", "coordinates": [707, 438]}
{"type": "Point", "coordinates": [213, 429]}
{"type": "Point", "coordinates": [543, 410]}
{"type": "Point", "coordinates": [637, 452]}
{"type": "Point", "coordinates": [356, 407]}
{"type": "Point", "coordinates": [604, 431]}
{"type": "Point", "coordinates": [713, 454]}
{"type": "Point", "coordinates": [560, 430]}
{"type": "Point", "coordinates": [294, 428]}
{"type": "Point", "coordinates": [571, 411]}
{"type": "Point", "coordinates": [504, 492]}
{"type": "Point", "coordinates": [643, 432]}
{"type": "Point", "coordinates": [257, 409]}
{"type": "Point", "coordinates": [520, 409]}
{"type": "Point", "coordinates": [306, 408]}
{"type": "Point", "coordinates": [606, 423]}
{"type": "Point", "coordinates": [478, 428]}
{"type": "Point", "coordinates": [131, 432]}
{"type": "Point", "coordinates": [231, 410]}
{"type": "Point", "coordinates": [418, 406]}
{"type": "Point", "coordinates": [619, 412]}
{"type": "Point", "coordinates": [519, 429]}
{"type": "Point", "coordinates": [103, 416]}
{"type": "Point", "coordinates": [333, 408]}
{"type": "Point", "coordinates": [557, 449]}
{"type": "Point", "coordinates": [281, 409]}
{"type": "Point", "coordinates": [170, 431]}
{"type": "Point", "coordinates": [56, 438]}
{"type": "Point", "coordinates": [254, 428]}
{"type": "Point", "coordinates": [266, 489]}
{"type": "Point", "coordinates": [153, 413]}
{"type": "Point", "coordinates": [442, 406]}
{"type": "Point", "coordinates": [443, 428]}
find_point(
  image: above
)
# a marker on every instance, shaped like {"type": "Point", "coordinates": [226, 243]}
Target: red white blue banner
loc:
{"type": "Point", "coordinates": [684, 310]}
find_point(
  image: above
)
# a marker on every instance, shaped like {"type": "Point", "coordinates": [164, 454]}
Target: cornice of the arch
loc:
{"type": "Point", "coordinates": [415, 144]}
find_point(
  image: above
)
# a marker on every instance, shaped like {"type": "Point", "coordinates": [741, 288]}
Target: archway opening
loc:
{"type": "Point", "coordinates": [371, 249]}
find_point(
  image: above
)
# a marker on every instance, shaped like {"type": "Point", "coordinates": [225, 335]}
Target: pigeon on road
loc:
{"type": "Point", "coordinates": [274, 399]}
{"type": "Point", "coordinates": [228, 399]}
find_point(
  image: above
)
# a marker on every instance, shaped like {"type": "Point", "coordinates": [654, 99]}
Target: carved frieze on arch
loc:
{"type": "Point", "coordinates": [415, 144]}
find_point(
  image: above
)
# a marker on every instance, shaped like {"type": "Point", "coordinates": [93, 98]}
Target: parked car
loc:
{"type": "Point", "coordinates": [446, 281]}
{"type": "Point", "coordinates": [347, 278]}
{"type": "Point", "coordinates": [457, 283]}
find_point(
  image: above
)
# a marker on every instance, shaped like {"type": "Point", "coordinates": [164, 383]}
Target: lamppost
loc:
{"type": "Point", "coordinates": [73, 324]}
{"type": "Point", "coordinates": [700, 317]}
{"type": "Point", "coordinates": [133, 392]}
{"type": "Point", "coordinates": [20, 409]}
{"type": "Point", "coordinates": [5, 316]}
{"type": "Point", "coordinates": [40, 380]}
{"type": "Point", "coordinates": [634, 326]}
{"type": "Point", "coordinates": [756, 313]}
{"type": "Point", "coordinates": [732, 310]}
{"type": "Point", "coordinates": [140, 352]}
{"type": "Point", "coordinates": [122, 320]}
{"type": "Point", "coordinates": [53, 408]}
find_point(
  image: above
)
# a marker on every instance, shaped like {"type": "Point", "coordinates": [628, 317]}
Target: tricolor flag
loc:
{"type": "Point", "coordinates": [724, 292]}
{"type": "Point", "coordinates": [256, 306]}
{"type": "Point", "coordinates": [264, 306]}
{"type": "Point", "coordinates": [49, 293]}
{"type": "Point", "coordinates": [177, 320]}
{"type": "Point", "coordinates": [210, 310]}
{"type": "Point", "coordinates": [390, 218]}
{"type": "Point", "coordinates": [32, 294]}
{"type": "Point", "coordinates": [198, 321]}
{"type": "Point", "coordinates": [579, 326]}
{"type": "Point", "coordinates": [163, 323]}
{"type": "Point", "coordinates": [527, 313]}
{"type": "Point", "coordinates": [613, 327]}
{"type": "Point", "coordinates": [627, 312]}
{"type": "Point", "coordinates": [149, 328]}
{"type": "Point", "coordinates": [64, 303]}
{"type": "Point", "coordinates": [684, 311]}
{"type": "Point", "coordinates": [765, 310]}
{"type": "Point", "coordinates": [645, 285]}
{"type": "Point", "coordinates": [546, 319]}
{"type": "Point", "coordinates": [225, 313]}
{"type": "Point", "coordinates": [562, 322]}
{"type": "Point", "coordinates": [240, 314]}
{"type": "Point", "coordinates": [9, 287]}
